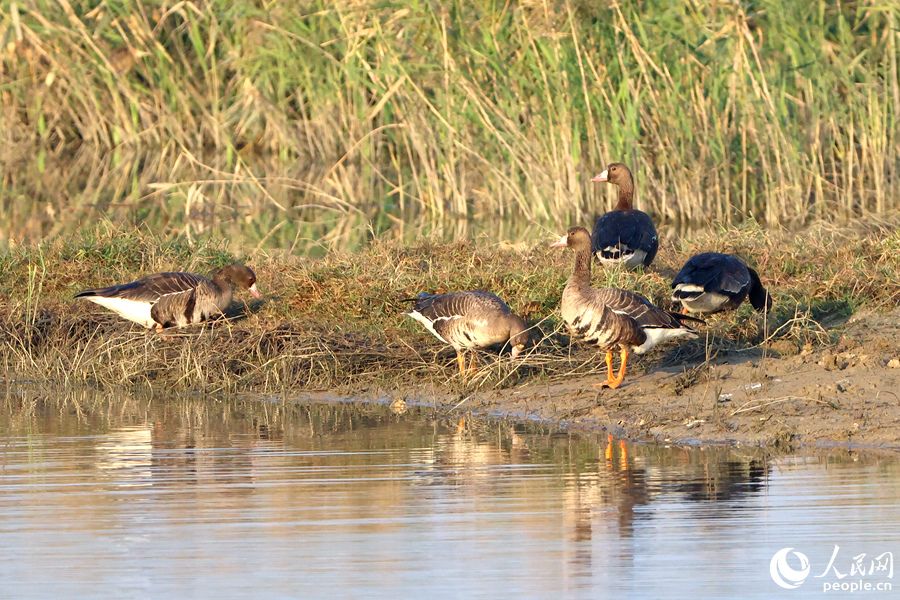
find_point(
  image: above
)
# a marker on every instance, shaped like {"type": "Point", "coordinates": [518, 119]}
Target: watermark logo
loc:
{"type": "Point", "coordinates": [783, 574]}
{"type": "Point", "coordinates": [881, 566]}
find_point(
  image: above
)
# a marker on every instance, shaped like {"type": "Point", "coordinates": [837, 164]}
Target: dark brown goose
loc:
{"type": "Point", "coordinates": [469, 320]}
{"type": "Point", "coordinates": [173, 299]}
{"type": "Point", "coordinates": [712, 282]}
{"type": "Point", "coordinates": [611, 318]}
{"type": "Point", "coordinates": [624, 236]}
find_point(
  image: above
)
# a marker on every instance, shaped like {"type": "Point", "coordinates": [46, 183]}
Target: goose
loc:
{"type": "Point", "coordinates": [173, 299]}
{"type": "Point", "coordinates": [623, 236]}
{"type": "Point", "coordinates": [612, 318]}
{"type": "Point", "coordinates": [713, 282]}
{"type": "Point", "coordinates": [468, 320]}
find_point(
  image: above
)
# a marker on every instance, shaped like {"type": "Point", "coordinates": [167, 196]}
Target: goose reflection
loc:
{"type": "Point", "coordinates": [125, 456]}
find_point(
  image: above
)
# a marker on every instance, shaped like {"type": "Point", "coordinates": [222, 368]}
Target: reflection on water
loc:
{"type": "Point", "coordinates": [207, 498]}
{"type": "Point", "coordinates": [266, 203]}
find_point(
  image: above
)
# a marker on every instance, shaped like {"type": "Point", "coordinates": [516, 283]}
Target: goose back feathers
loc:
{"type": "Point", "coordinates": [713, 282]}
{"type": "Point", "coordinates": [472, 319]}
{"type": "Point", "coordinates": [612, 318]}
{"type": "Point", "coordinates": [624, 236]}
{"type": "Point", "coordinates": [173, 299]}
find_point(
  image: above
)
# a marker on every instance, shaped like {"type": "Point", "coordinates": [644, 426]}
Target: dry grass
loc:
{"type": "Point", "coordinates": [336, 322]}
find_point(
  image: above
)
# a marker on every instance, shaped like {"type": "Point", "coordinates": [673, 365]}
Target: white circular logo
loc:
{"type": "Point", "coordinates": [783, 574]}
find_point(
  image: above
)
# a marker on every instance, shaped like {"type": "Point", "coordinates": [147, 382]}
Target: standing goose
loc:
{"type": "Point", "coordinates": [468, 320]}
{"type": "Point", "coordinates": [173, 299]}
{"type": "Point", "coordinates": [712, 282]}
{"type": "Point", "coordinates": [623, 236]}
{"type": "Point", "coordinates": [612, 318]}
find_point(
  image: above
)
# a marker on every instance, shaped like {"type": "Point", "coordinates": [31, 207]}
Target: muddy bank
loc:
{"type": "Point", "coordinates": [845, 393]}
{"type": "Point", "coordinates": [804, 374]}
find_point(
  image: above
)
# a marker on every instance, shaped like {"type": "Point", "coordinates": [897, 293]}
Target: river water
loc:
{"type": "Point", "coordinates": [119, 497]}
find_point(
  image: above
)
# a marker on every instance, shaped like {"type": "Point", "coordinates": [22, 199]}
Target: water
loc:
{"type": "Point", "coordinates": [205, 498]}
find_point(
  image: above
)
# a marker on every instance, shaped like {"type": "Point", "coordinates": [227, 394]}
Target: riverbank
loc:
{"type": "Point", "coordinates": [819, 368]}
{"type": "Point", "coordinates": [844, 393]}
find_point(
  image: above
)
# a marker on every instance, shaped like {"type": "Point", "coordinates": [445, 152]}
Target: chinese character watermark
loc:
{"type": "Point", "coordinates": [785, 575]}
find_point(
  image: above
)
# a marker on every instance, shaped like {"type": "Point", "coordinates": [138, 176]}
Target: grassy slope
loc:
{"type": "Point", "coordinates": [336, 322]}
{"type": "Point", "coordinates": [182, 114]}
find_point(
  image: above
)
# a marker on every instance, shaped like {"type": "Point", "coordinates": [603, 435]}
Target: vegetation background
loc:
{"type": "Point", "coordinates": [443, 144]}
{"type": "Point", "coordinates": [315, 125]}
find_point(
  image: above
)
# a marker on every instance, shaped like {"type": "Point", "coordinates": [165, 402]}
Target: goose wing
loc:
{"type": "Point", "coordinates": [714, 273]}
{"type": "Point", "coordinates": [456, 305]}
{"type": "Point", "coordinates": [462, 319]}
{"type": "Point", "coordinates": [151, 288]}
{"type": "Point", "coordinates": [631, 228]}
{"type": "Point", "coordinates": [638, 308]}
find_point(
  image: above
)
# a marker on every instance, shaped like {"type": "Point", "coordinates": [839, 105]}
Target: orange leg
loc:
{"type": "Point", "coordinates": [473, 363]}
{"type": "Point", "coordinates": [461, 359]}
{"type": "Point", "coordinates": [614, 382]}
{"type": "Point", "coordinates": [609, 371]}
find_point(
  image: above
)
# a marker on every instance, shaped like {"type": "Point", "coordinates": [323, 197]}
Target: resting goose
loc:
{"type": "Point", "coordinates": [712, 282]}
{"type": "Point", "coordinates": [468, 320]}
{"type": "Point", "coordinates": [612, 318]}
{"type": "Point", "coordinates": [623, 236]}
{"type": "Point", "coordinates": [173, 299]}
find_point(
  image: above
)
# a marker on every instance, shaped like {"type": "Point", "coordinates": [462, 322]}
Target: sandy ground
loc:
{"type": "Point", "coordinates": [847, 393]}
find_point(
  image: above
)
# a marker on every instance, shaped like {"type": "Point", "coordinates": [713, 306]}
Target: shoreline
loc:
{"type": "Point", "coordinates": [821, 367]}
{"type": "Point", "coordinates": [837, 396]}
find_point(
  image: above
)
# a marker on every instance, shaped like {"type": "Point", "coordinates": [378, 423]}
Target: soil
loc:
{"type": "Point", "coordinates": [785, 396]}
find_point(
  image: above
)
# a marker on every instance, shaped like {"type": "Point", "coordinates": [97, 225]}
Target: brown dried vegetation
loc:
{"type": "Point", "coordinates": [335, 323]}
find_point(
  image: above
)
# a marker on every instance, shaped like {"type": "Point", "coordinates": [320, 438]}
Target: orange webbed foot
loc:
{"type": "Point", "coordinates": [614, 382]}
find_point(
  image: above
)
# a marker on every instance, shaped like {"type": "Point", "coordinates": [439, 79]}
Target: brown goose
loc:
{"type": "Point", "coordinates": [712, 282]}
{"type": "Point", "coordinates": [610, 317]}
{"type": "Point", "coordinates": [468, 320]}
{"type": "Point", "coordinates": [173, 299]}
{"type": "Point", "coordinates": [623, 236]}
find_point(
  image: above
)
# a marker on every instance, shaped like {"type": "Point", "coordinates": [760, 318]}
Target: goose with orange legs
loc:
{"type": "Point", "coordinates": [469, 320]}
{"type": "Point", "coordinates": [612, 318]}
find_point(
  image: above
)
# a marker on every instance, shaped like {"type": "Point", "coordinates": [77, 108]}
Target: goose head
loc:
{"type": "Point", "coordinates": [616, 173]}
{"type": "Point", "coordinates": [576, 238]}
{"type": "Point", "coordinates": [241, 276]}
{"type": "Point", "coordinates": [518, 333]}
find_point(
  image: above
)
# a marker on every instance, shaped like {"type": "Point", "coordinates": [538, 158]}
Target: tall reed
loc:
{"type": "Point", "coordinates": [329, 115]}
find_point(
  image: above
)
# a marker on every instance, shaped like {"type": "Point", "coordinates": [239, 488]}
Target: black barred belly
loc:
{"type": "Point", "coordinates": [607, 334]}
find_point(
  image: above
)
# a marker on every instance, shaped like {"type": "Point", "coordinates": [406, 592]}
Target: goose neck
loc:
{"type": "Point", "coordinates": [582, 272]}
{"type": "Point", "coordinates": [626, 195]}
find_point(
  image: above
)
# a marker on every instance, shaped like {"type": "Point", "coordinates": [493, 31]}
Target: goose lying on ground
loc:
{"type": "Point", "coordinates": [712, 282]}
{"type": "Point", "coordinates": [623, 236]}
{"type": "Point", "coordinates": [173, 299]}
{"type": "Point", "coordinates": [612, 318]}
{"type": "Point", "coordinates": [468, 320]}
